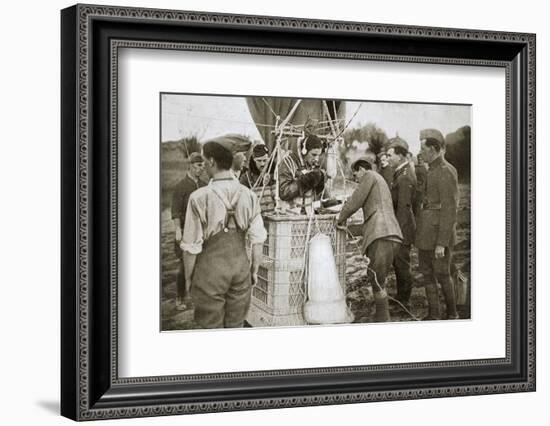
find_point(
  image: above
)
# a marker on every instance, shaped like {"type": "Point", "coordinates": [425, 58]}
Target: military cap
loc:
{"type": "Point", "coordinates": [397, 141]}
{"type": "Point", "coordinates": [433, 134]}
{"type": "Point", "coordinates": [233, 142]}
{"type": "Point", "coordinates": [195, 157]}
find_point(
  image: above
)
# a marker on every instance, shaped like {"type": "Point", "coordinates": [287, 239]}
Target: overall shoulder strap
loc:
{"type": "Point", "coordinates": [230, 206]}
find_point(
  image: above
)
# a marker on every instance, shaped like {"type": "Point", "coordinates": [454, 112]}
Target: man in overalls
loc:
{"type": "Point", "coordinates": [219, 218]}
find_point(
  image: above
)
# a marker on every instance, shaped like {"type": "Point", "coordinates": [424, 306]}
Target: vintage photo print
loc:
{"type": "Point", "coordinates": [300, 212]}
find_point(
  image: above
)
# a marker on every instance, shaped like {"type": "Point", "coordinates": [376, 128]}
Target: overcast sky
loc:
{"type": "Point", "coordinates": [210, 116]}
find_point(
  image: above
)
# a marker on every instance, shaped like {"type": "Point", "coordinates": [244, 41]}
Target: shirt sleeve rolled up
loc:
{"type": "Point", "coordinates": [193, 235]}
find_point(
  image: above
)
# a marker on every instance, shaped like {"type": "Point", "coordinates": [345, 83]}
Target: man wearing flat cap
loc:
{"type": "Point", "coordinates": [403, 191]}
{"type": "Point", "coordinates": [301, 179]}
{"type": "Point", "coordinates": [180, 197]}
{"type": "Point", "coordinates": [382, 236]}
{"type": "Point", "coordinates": [220, 217]}
{"type": "Point", "coordinates": [436, 225]}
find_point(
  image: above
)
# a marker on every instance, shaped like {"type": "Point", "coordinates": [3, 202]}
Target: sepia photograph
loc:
{"type": "Point", "coordinates": [301, 212]}
{"type": "Point", "coordinates": [271, 210]}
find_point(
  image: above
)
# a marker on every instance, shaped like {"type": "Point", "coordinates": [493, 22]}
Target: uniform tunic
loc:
{"type": "Point", "coordinates": [381, 234]}
{"type": "Point", "coordinates": [437, 219]}
{"type": "Point", "coordinates": [373, 196]}
{"type": "Point", "coordinates": [437, 227]}
{"type": "Point", "coordinates": [421, 176]}
{"type": "Point", "coordinates": [387, 174]}
{"type": "Point", "coordinates": [180, 198]}
{"type": "Point", "coordinates": [403, 190]}
{"type": "Point", "coordinates": [291, 168]}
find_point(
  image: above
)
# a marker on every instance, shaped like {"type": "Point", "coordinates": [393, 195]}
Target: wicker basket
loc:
{"type": "Point", "coordinates": [279, 296]}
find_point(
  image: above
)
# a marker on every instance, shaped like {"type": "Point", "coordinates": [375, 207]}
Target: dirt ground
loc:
{"type": "Point", "coordinates": [359, 294]}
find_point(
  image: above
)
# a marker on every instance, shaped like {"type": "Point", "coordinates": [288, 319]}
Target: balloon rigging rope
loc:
{"type": "Point", "coordinates": [303, 277]}
{"type": "Point", "coordinates": [350, 120]}
{"type": "Point", "coordinates": [264, 171]}
{"type": "Point", "coordinates": [269, 106]}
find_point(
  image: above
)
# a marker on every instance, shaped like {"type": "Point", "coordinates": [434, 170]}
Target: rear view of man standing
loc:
{"type": "Point", "coordinates": [436, 231]}
{"type": "Point", "coordinates": [219, 218]}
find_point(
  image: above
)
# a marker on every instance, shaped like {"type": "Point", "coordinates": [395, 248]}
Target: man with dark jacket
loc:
{"type": "Point", "coordinates": [301, 179]}
{"type": "Point", "coordinates": [385, 168]}
{"type": "Point", "coordinates": [256, 165]}
{"type": "Point", "coordinates": [421, 172]}
{"type": "Point", "coordinates": [403, 190]}
{"type": "Point", "coordinates": [180, 199]}
{"type": "Point", "coordinates": [436, 226]}
{"type": "Point", "coordinates": [382, 236]}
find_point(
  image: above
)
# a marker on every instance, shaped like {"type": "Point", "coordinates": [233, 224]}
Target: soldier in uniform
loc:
{"type": "Point", "coordinates": [403, 190]}
{"type": "Point", "coordinates": [180, 198]}
{"type": "Point", "coordinates": [421, 172]}
{"type": "Point", "coordinates": [301, 179]}
{"type": "Point", "coordinates": [436, 231]}
{"type": "Point", "coordinates": [381, 233]}
{"type": "Point", "coordinates": [219, 218]}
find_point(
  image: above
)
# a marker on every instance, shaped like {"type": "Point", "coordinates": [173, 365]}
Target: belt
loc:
{"type": "Point", "coordinates": [434, 206]}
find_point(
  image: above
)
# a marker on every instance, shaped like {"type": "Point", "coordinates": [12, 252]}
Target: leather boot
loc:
{"type": "Point", "coordinates": [382, 313]}
{"type": "Point", "coordinates": [432, 295]}
{"type": "Point", "coordinates": [450, 298]}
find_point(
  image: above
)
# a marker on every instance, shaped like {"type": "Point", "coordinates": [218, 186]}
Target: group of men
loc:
{"type": "Point", "coordinates": [399, 211]}
{"type": "Point", "coordinates": [213, 219]}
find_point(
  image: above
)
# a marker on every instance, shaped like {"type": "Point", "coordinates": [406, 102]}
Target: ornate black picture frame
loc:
{"type": "Point", "coordinates": [91, 387]}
